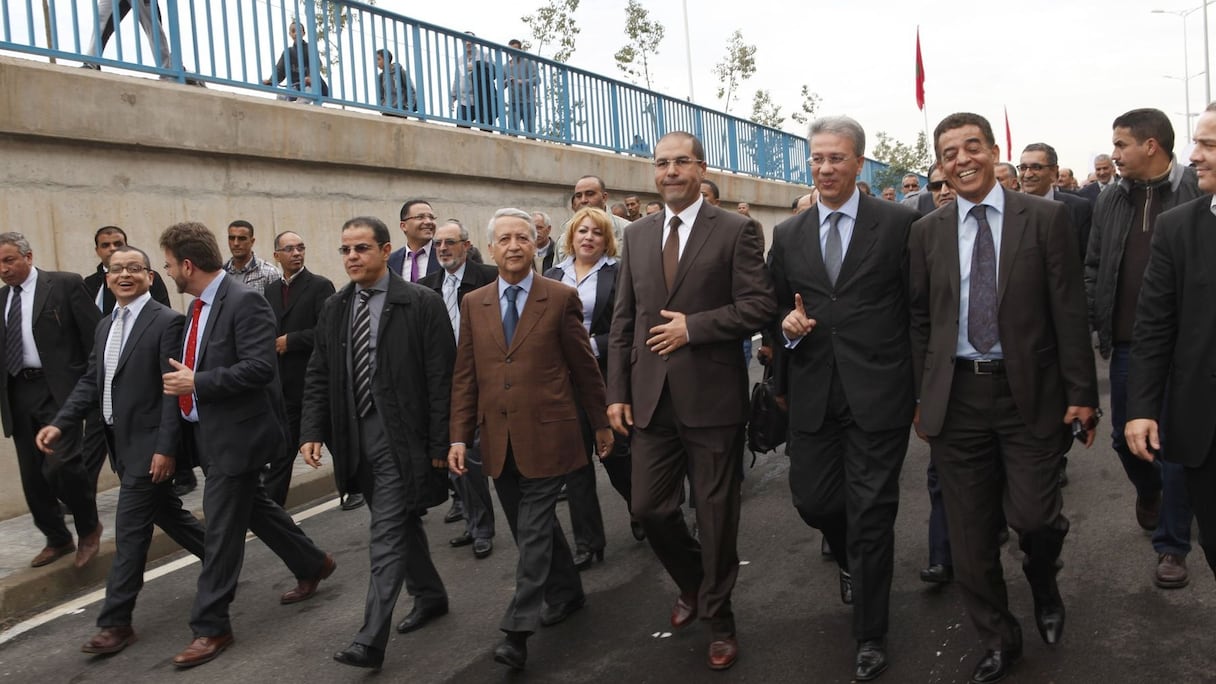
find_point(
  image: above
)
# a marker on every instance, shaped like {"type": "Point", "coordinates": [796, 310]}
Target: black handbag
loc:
{"type": "Point", "coordinates": [768, 426]}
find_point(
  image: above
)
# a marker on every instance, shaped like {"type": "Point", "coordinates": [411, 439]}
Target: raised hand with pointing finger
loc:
{"type": "Point", "coordinates": [796, 324]}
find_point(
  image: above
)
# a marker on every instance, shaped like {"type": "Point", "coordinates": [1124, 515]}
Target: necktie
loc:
{"type": "Point", "coordinates": [14, 355]}
{"type": "Point", "coordinates": [286, 292]}
{"type": "Point", "coordinates": [671, 253]}
{"type": "Point", "coordinates": [186, 401]}
{"type": "Point", "coordinates": [414, 265]}
{"type": "Point", "coordinates": [450, 287]}
{"type": "Point", "coordinates": [113, 352]}
{"type": "Point", "coordinates": [981, 307]}
{"type": "Point", "coordinates": [511, 319]}
{"type": "Point", "coordinates": [833, 253]}
{"type": "Point", "coordinates": [361, 338]}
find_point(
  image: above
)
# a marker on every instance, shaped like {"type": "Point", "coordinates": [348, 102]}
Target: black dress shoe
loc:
{"type": "Point", "coordinates": [420, 615]}
{"type": "Point", "coordinates": [456, 512]}
{"type": "Point", "coordinates": [937, 574]}
{"type": "Point", "coordinates": [360, 655]}
{"type": "Point", "coordinates": [871, 660]}
{"type": "Point", "coordinates": [584, 558]}
{"type": "Point", "coordinates": [463, 540]}
{"type": "Point", "coordinates": [352, 501]}
{"type": "Point", "coordinates": [1050, 621]}
{"type": "Point", "coordinates": [513, 651]}
{"type": "Point", "coordinates": [1048, 606]}
{"type": "Point", "coordinates": [639, 533]}
{"type": "Point", "coordinates": [995, 666]}
{"type": "Point", "coordinates": [825, 550]}
{"type": "Point", "coordinates": [482, 548]}
{"type": "Point", "coordinates": [184, 484]}
{"type": "Point", "coordinates": [846, 588]}
{"type": "Point", "coordinates": [552, 615]}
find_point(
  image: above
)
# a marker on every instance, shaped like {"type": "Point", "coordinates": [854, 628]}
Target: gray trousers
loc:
{"type": "Point", "coordinates": [473, 488]}
{"type": "Point", "coordinates": [144, 9]}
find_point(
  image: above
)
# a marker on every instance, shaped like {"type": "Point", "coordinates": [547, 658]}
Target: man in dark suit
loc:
{"type": "Point", "coordinates": [1175, 332]}
{"type": "Point", "coordinates": [296, 300]}
{"type": "Point", "coordinates": [131, 350]}
{"type": "Point", "coordinates": [227, 385]}
{"type": "Point", "coordinates": [546, 246]}
{"type": "Point", "coordinates": [417, 258]}
{"type": "Point", "coordinates": [691, 287]}
{"type": "Point", "coordinates": [48, 334]}
{"type": "Point", "coordinates": [1040, 169]}
{"type": "Point", "coordinates": [1104, 177]}
{"type": "Point", "coordinates": [840, 271]}
{"type": "Point", "coordinates": [377, 392]}
{"type": "Point", "coordinates": [459, 277]}
{"type": "Point", "coordinates": [523, 369]}
{"type": "Point", "coordinates": [1003, 367]}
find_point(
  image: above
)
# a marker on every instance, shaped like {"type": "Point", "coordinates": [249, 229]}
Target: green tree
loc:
{"type": "Point", "coordinates": [766, 112]}
{"type": "Point", "coordinates": [737, 66]}
{"type": "Point", "coordinates": [554, 24]}
{"type": "Point", "coordinates": [810, 105]}
{"type": "Point", "coordinates": [331, 19]}
{"type": "Point", "coordinates": [644, 37]}
{"type": "Point", "coordinates": [900, 158]}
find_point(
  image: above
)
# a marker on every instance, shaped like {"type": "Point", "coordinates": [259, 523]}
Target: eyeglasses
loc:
{"type": "Point", "coordinates": [832, 160]}
{"type": "Point", "coordinates": [291, 249]}
{"type": "Point", "coordinates": [679, 162]}
{"type": "Point", "coordinates": [133, 269]}
{"type": "Point", "coordinates": [361, 248]}
{"type": "Point", "coordinates": [911, 186]}
{"type": "Point", "coordinates": [420, 217]}
{"type": "Point", "coordinates": [449, 242]}
{"type": "Point", "coordinates": [1034, 167]}
{"type": "Point", "coordinates": [936, 186]}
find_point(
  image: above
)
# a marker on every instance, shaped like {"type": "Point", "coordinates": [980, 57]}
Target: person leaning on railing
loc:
{"type": "Point", "coordinates": [288, 67]}
{"type": "Point", "coordinates": [393, 86]}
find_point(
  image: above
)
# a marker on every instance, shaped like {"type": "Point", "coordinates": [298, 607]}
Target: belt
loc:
{"type": "Point", "coordinates": [981, 366]}
{"type": "Point", "coordinates": [29, 374]}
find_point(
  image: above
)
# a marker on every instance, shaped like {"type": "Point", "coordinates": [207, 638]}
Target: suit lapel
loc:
{"type": "Point", "coordinates": [213, 317]}
{"type": "Point", "coordinates": [534, 308]}
{"type": "Point", "coordinates": [1013, 226]}
{"type": "Point", "coordinates": [492, 318]}
{"type": "Point", "coordinates": [297, 289]}
{"type": "Point", "coordinates": [649, 242]}
{"type": "Point", "coordinates": [860, 244]}
{"type": "Point", "coordinates": [698, 235]}
{"type": "Point", "coordinates": [946, 234]}
{"type": "Point", "coordinates": [41, 294]}
{"type": "Point", "coordinates": [140, 324]}
{"type": "Point", "coordinates": [811, 250]}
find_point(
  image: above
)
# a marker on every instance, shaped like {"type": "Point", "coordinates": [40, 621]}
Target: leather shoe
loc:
{"type": "Point", "coordinates": [1148, 511]}
{"type": "Point", "coordinates": [305, 588]}
{"type": "Point", "coordinates": [639, 532]}
{"type": "Point", "coordinates": [454, 513]}
{"type": "Point", "coordinates": [1171, 571]}
{"type": "Point", "coordinates": [89, 544]}
{"type": "Point", "coordinates": [463, 540]}
{"type": "Point", "coordinates": [723, 653]}
{"type": "Point", "coordinates": [50, 554]}
{"type": "Point", "coordinates": [513, 651]}
{"type": "Point", "coordinates": [684, 611]}
{"type": "Point", "coordinates": [995, 665]}
{"type": "Point", "coordinates": [352, 501]}
{"type": "Point", "coordinates": [552, 615]}
{"type": "Point", "coordinates": [846, 588]}
{"type": "Point", "coordinates": [421, 614]}
{"type": "Point", "coordinates": [110, 640]}
{"type": "Point", "coordinates": [871, 660]}
{"type": "Point", "coordinates": [361, 655]}
{"type": "Point", "coordinates": [482, 548]}
{"type": "Point", "coordinates": [202, 650]}
{"type": "Point", "coordinates": [937, 574]}
{"type": "Point", "coordinates": [1048, 609]}
{"type": "Point", "coordinates": [584, 558]}
{"type": "Point", "coordinates": [185, 484]}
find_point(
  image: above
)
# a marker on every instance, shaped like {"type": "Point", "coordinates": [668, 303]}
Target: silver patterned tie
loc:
{"type": "Point", "coordinates": [113, 353]}
{"type": "Point", "coordinates": [450, 287]}
{"type": "Point", "coordinates": [833, 253]}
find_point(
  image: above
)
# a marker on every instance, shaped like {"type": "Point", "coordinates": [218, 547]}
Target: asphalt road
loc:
{"type": "Point", "coordinates": [792, 626]}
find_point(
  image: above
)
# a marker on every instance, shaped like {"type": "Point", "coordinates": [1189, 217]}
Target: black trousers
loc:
{"type": "Point", "coordinates": [845, 483]}
{"type": "Point", "coordinates": [1201, 487]}
{"type": "Point", "coordinates": [47, 480]}
{"type": "Point", "coordinates": [277, 476]}
{"type": "Point", "coordinates": [586, 519]}
{"type": "Point", "coordinates": [987, 460]}
{"type": "Point", "coordinates": [94, 447]}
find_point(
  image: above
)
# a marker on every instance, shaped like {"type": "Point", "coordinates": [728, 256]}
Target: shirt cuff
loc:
{"type": "Point", "coordinates": [790, 344]}
{"type": "Point", "coordinates": [595, 349]}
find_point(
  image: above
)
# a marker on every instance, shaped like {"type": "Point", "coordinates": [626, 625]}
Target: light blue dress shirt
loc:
{"type": "Point", "coordinates": [968, 228]}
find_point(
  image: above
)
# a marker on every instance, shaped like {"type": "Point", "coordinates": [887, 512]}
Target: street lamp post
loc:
{"type": "Point", "coordinates": [1207, 81]}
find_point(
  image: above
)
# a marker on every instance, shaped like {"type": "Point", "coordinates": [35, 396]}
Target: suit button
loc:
{"type": "Point", "coordinates": [507, 385]}
{"type": "Point", "coordinates": [833, 331]}
{"type": "Point", "coordinates": [508, 359]}
{"type": "Point", "coordinates": [504, 412]}
{"type": "Point", "coordinates": [833, 298]}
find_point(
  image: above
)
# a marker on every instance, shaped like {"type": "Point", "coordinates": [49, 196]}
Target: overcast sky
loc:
{"type": "Point", "coordinates": [1064, 68]}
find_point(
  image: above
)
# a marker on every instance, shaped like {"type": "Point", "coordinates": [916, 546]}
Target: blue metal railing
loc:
{"type": "Point", "coordinates": [434, 74]}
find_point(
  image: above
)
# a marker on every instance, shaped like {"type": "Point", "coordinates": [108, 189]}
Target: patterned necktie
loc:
{"type": "Point", "coordinates": [113, 352]}
{"type": "Point", "coordinates": [450, 286]}
{"type": "Point", "coordinates": [671, 253]}
{"type": "Point", "coordinates": [186, 401]}
{"type": "Point", "coordinates": [14, 355]}
{"type": "Point", "coordinates": [833, 253]}
{"type": "Point", "coordinates": [981, 306]}
{"type": "Point", "coordinates": [414, 265]}
{"type": "Point", "coordinates": [361, 350]}
{"type": "Point", "coordinates": [511, 319]}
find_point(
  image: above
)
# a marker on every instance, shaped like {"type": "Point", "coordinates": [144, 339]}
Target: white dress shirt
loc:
{"type": "Point", "coordinates": [29, 349]}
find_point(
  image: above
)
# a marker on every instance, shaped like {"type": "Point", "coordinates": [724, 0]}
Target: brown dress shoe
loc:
{"type": "Point", "coordinates": [51, 554]}
{"type": "Point", "coordinates": [684, 611]}
{"type": "Point", "coordinates": [89, 544]}
{"type": "Point", "coordinates": [110, 640]}
{"type": "Point", "coordinates": [202, 650]}
{"type": "Point", "coordinates": [723, 653]}
{"type": "Point", "coordinates": [305, 588]}
{"type": "Point", "coordinates": [1171, 572]}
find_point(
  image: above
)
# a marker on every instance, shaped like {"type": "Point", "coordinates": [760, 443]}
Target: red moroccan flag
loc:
{"type": "Point", "coordinates": [1008, 138]}
{"type": "Point", "coordinates": [920, 75]}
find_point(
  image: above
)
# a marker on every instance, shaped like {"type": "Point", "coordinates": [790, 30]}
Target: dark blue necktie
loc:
{"type": "Point", "coordinates": [981, 306]}
{"type": "Point", "coordinates": [511, 318]}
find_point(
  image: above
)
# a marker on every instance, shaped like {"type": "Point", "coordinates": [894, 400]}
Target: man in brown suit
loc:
{"type": "Point", "coordinates": [691, 288]}
{"type": "Point", "coordinates": [1003, 368]}
{"type": "Point", "coordinates": [516, 335]}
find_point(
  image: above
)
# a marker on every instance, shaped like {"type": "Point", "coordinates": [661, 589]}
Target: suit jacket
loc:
{"type": "Point", "coordinates": [236, 382]}
{"type": "Point", "coordinates": [146, 420]}
{"type": "Point", "coordinates": [862, 321]}
{"type": "Point", "coordinates": [601, 313]}
{"type": "Point", "coordinates": [1082, 213]}
{"type": "Point", "coordinates": [526, 395]}
{"type": "Point", "coordinates": [1040, 318]}
{"type": "Point", "coordinates": [475, 276]}
{"type": "Point", "coordinates": [396, 262]}
{"type": "Point", "coordinates": [725, 292]}
{"type": "Point", "coordinates": [97, 280]}
{"type": "Point", "coordinates": [1175, 332]}
{"type": "Point", "coordinates": [63, 321]}
{"type": "Point", "coordinates": [411, 384]}
{"type": "Point", "coordinates": [297, 319]}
